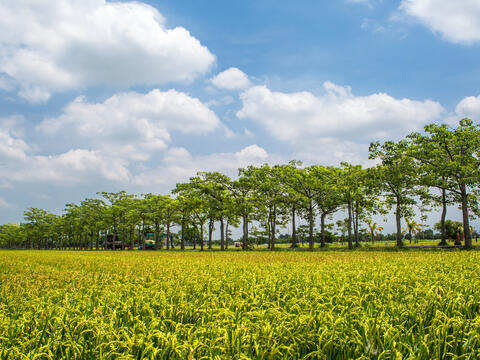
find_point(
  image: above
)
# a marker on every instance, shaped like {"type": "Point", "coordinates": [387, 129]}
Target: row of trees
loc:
{"type": "Point", "coordinates": [436, 168]}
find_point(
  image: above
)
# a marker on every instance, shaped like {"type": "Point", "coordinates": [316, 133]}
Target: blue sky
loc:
{"type": "Point", "coordinates": [101, 96]}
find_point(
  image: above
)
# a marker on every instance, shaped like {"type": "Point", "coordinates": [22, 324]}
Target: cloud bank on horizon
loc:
{"type": "Point", "coordinates": [127, 101]}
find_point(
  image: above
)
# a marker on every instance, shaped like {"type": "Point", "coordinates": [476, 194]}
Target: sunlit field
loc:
{"type": "Point", "coordinates": [261, 305]}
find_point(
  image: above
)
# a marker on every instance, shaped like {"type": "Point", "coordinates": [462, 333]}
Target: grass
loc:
{"type": "Point", "coordinates": [381, 244]}
{"type": "Point", "coordinates": [260, 305]}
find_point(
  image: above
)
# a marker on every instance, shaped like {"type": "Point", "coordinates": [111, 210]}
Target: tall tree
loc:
{"type": "Point", "coordinates": [397, 176]}
{"type": "Point", "coordinates": [214, 186]}
{"type": "Point", "coordinates": [115, 213]}
{"type": "Point", "coordinates": [12, 236]}
{"type": "Point", "coordinates": [328, 198]}
{"type": "Point", "coordinates": [451, 156]}
{"type": "Point", "coordinates": [171, 216]}
{"type": "Point", "coordinates": [36, 226]}
{"type": "Point", "coordinates": [196, 201]}
{"type": "Point", "coordinates": [154, 213]}
{"type": "Point", "coordinates": [268, 198]}
{"type": "Point", "coordinates": [304, 182]}
{"type": "Point", "coordinates": [93, 211]}
{"type": "Point", "coordinates": [351, 186]}
{"type": "Point", "coordinates": [242, 191]}
{"type": "Point", "coordinates": [292, 201]}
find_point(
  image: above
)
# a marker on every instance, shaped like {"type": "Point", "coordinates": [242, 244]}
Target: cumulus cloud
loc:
{"type": "Point", "coordinates": [133, 125]}
{"type": "Point", "coordinates": [179, 165]}
{"type": "Point", "coordinates": [12, 146]}
{"type": "Point", "coordinates": [468, 107]}
{"type": "Point", "coordinates": [301, 118]}
{"type": "Point", "coordinates": [20, 164]}
{"type": "Point", "coordinates": [77, 165]}
{"type": "Point", "coordinates": [6, 84]}
{"type": "Point", "coordinates": [231, 79]}
{"type": "Point", "coordinates": [332, 151]}
{"type": "Point", "coordinates": [48, 46]}
{"type": "Point", "coordinates": [456, 21]}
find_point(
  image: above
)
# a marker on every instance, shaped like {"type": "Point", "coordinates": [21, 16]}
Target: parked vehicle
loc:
{"type": "Point", "coordinates": [113, 242]}
{"type": "Point", "coordinates": [149, 242]}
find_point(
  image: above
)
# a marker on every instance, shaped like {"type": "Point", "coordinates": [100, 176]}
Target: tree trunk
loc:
{"type": "Point", "coordinates": [442, 219]}
{"type": "Point", "coordinates": [168, 236]}
{"type": "Point", "coordinates": [143, 234]}
{"type": "Point", "coordinates": [226, 236]}
{"type": "Point", "coordinates": [245, 232]}
{"type": "Point", "coordinates": [222, 234]}
{"type": "Point", "coordinates": [124, 237]}
{"type": "Point", "coordinates": [273, 229]}
{"type": "Point", "coordinates": [269, 232]}
{"type": "Point", "coordinates": [97, 240]}
{"type": "Point", "coordinates": [466, 224]}
{"type": "Point", "coordinates": [310, 227]}
{"type": "Point", "coordinates": [182, 241]}
{"type": "Point", "coordinates": [294, 230]}
{"type": "Point", "coordinates": [201, 236]}
{"type": "Point", "coordinates": [398, 220]}
{"type": "Point", "coordinates": [349, 206]}
{"type": "Point", "coordinates": [357, 236]}
{"type": "Point", "coordinates": [194, 237]}
{"type": "Point", "coordinates": [157, 230]}
{"type": "Point", "coordinates": [322, 229]}
{"type": "Point", "coordinates": [115, 235]}
{"type": "Point", "coordinates": [132, 236]}
{"type": "Point", "coordinates": [210, 233]}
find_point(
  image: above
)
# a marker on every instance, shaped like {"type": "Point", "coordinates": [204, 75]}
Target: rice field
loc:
{"type": "Point", "coordinates": [240, 305]}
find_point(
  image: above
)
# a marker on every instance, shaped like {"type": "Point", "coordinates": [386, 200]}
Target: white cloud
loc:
{"type": "Point", "coordinates": [303, 118]}
{"type": "Point", "coordinates": [133, 125]}
{"type": "Point", "coordinates": [231, 79]}
{"type": "Point", "coordinates": [6, 84]}
{"type": "Point", "coordinates": [248, 133]}
{"type": "Point", "coordinates": [179, 165]}
{"type": "Point", "coordinates": [332, 151]}
{"type": "Point", "coordinates": [35, 95]}
{"type": "Point", "coordinates": [12, 146]}
{"type": "Point", "coordinates": [19, 164]}
{"type": "Point", "coordinates": [113, 138]}
{"type": "Point", "coordinates": [48, 46]}
{"type": "Point", "coordinates": [469, 107]}
{"type": "Point", "coordinates": [78, 165]}
{"type": "Point", "coordinates": [456, 21]}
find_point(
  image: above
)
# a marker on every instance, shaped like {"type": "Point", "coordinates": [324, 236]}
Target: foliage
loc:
{"type": "Point", "coordinates": [397, 177]}
{"type": "Point", "coordinates": [408, 175]}
{"type": "Point", "coordinates": [450, 160]}
{"type": "Point", "coordinates": [452, 228]}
